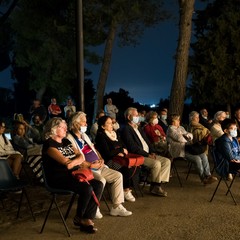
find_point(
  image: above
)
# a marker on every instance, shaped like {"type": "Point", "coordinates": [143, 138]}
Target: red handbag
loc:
{"type": "Point", "coordinates": [129, 160]}
{"type": "Point", "coordinates": [85, 175]}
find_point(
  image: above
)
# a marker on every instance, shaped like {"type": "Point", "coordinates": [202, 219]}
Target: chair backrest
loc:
{"type": "Point", "coordinates": [6, 174]}
{"type": "Point", "coordinates": [51, 189]}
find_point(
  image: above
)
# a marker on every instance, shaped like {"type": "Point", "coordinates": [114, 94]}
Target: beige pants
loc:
{"type": "Point", "coordinates": [160, 168]}
{"type": "Point", "coordinates": [115, 179]}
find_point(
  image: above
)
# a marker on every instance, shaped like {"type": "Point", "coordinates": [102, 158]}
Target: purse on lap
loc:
{"type": "Point", "coordinates": [129, 160]}
{"type": "Point", "coordinates": [85, 175]}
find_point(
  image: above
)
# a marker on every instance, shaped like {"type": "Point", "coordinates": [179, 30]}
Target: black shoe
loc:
{"type": "Point", "coordinates": [88, 228]}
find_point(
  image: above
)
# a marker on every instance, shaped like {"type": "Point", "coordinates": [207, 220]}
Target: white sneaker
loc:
{"type": "Point", "coordinates": [120, 211]}
{"type": "Point", "coordinates": [128, 196]}
{"type": "Point", "coordinates": [98, 214]}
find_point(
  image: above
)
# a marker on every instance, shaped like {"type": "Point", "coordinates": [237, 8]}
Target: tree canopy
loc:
{"type": "Point", "coordinates": [215, 60]}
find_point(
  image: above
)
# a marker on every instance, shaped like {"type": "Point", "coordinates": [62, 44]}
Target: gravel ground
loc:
{"type": "Point", "coordinates": [185, 214]}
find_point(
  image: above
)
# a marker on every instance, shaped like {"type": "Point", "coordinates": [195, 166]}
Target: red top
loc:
{"type": "Point", "coordinates": [154, 132]}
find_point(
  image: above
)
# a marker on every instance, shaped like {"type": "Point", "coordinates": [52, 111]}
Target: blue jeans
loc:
{"type": "Point", "coordinates": [201, 163]}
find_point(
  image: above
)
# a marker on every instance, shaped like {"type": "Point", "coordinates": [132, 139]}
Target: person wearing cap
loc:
{"type": "Point", "coordinates": [7, 151]}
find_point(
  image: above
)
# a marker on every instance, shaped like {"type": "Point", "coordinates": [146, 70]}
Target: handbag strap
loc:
{"type": "Point", "coordinates": [93, 194]}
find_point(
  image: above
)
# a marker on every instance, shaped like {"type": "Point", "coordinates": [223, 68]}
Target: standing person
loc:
{"type": "Point", "coordinates": [38, 109]}
{"type": "Point", "coordinates": [59, 159]}
{"type": "Point", "coordinates": [137, 142]}
{"type": "Point", "coordinates": [14, 158]}
{"type": "Point", "coordinates": [69, 108]}
{"type": "Point", "coordinates": [110, 109]}
{"type": "Point", "coordinates": [53, 109]}
{"type": "Point", "coordinates": [80, 140]}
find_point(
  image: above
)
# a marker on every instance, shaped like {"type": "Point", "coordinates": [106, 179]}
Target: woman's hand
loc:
{"type": "Point", "coordinates": [97, 164]}
{"type": "Point", "coordinates": [125, 151]}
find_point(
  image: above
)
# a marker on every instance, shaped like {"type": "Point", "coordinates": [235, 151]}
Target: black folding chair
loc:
{"type": "Point", "coordinates": [55, 192]}
{"type": "Point", "coordinates": [222, 178]}
{"type": "Point", "coordinates": [9, 183]}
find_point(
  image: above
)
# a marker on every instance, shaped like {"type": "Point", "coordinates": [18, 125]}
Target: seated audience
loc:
{"type": "Point", "coordinates": [80, 140]}
{"type": "Point", "coordinates": [204, 119]}
{"type": "Point", "coordinates": [200, 133]}
{"type": "Point", "coordinates": [216, 129]}
{"type": "Point", "coordinates": [237, 120]}
{"type": "Point", "coordinates": [227, 148]}
{"type": "Point", "coordinates": [38, 125]}
{"type": "Point", "coordinates": [7, 151]}
{"type": "Point", "coordinates": [137, 142]}
{"type": "Point", "coordinates": [22, 142]}
{"type": "Point", "coordinates": [155, 134]}
{"type": "Point", "coordinates": [59, 159]}
{"type": "Point", "coordinates": [38, 109]}
{"type": "Point", "coordinates": [109, 144]}
{"type": "Point", "coordinates": [178, 138]}
{"type": "Point", "coordinates": [94, 127]}
{"type": "Point", "coordinates": [163, 119]}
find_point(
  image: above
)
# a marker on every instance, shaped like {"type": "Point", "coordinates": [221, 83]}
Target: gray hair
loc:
{"type": "Point", "coordinates": [192, 115]}
{"type": "Point", "coordinates": [51, 127]}
{"type": "Point", "coordinates": [129, 111]}
{"type": "Point", "coordinates": [75, 117]}
{"type": "Point", "coordinates": [217, 115]}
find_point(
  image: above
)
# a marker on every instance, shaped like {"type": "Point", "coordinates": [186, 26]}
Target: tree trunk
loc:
{"type": "Point", "coordinates": [105, 68]}
{"type": "Point", "coordinates": [178, 89]}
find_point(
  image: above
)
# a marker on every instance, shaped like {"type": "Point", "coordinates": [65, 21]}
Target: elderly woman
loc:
{"type": "Point", "coordinates": [59, 159]}
{"type": "Point", "coordinates": [155, 134]}
{"type": "Point", "coordinates": [7, 151]}
{"type": "Point", "coordinates": [177, 138]}
{"type": "Point", "coordinates": [216, 129]}
{"type": "Point", "coordinates": [79, 139]}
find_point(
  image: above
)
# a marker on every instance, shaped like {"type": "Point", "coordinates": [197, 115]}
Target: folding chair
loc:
{"type": "Point", "coordinates": [55, 192]}
{"type": "Point", "coordinates": [9, 183]}
{"type": "Point", "coordinates": [222, 178]}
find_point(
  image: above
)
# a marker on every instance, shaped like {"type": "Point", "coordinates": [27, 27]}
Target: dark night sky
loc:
{"type": "Point", "coordinates": [145, 71]}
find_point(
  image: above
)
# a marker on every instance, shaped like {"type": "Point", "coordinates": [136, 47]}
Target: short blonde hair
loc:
{"type": "Point", "coordinates": [51, 127]}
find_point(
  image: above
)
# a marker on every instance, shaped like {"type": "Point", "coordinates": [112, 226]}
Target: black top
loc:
{"type": "Point", "coordinates": [55, 171]}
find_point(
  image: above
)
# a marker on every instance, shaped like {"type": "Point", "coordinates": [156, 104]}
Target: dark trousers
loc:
{"type": "Point", "coordinates": [86, 207]}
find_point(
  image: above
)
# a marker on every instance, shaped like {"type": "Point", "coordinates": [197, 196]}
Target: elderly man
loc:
{"type": "Point", "coordinates": [137, 142]}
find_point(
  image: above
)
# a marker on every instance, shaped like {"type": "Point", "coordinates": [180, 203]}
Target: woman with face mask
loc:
{"type": "Point", "coordinates": [216, 129]}
{"type": "Point", "coordinates": [80, 140]}
{"type": "Point", "coordinates": [155, 134]}
{"type": "Point", "coordinates": [227, 146]}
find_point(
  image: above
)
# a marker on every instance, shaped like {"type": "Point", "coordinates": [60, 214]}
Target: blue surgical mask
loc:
{"type": "Point", "coordinates": [135, 120]}
{"type": "Point", "coordinates": [83, 129]}
{"type": "Point", "coordinates": [233, 133]}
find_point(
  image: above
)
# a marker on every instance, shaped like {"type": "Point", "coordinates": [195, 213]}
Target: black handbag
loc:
{"type": "Point", "coordinates": [196, 148]}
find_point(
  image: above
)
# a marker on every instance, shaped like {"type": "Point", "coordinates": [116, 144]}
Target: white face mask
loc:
{"type": "Point", "coordinates": [83, 129]}
{"type": "Point", "coordinates": [233, 133]}
{"type": "Point", "coordinates": [155, 121]}
{"type": "Point", "coordinates": [135, 120]}
{"type": "Point", "coordinates": [164, 117]}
